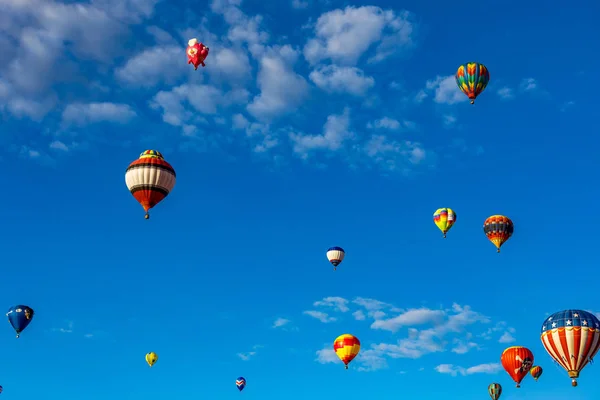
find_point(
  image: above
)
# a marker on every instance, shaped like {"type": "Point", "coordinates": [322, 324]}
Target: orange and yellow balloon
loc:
{"type": "Point", "coordinates": [151, 358]}
{"type": "Point", "coordinates": [444, 218]}
{"type": "Point", "coordinates": [472, 78]}
{"type": "Point", "coordinates": [346, 347]}
{"type": "Point", "coordinates": [498, 230]}
{"type": "Point", "coordinates": [536, 372]}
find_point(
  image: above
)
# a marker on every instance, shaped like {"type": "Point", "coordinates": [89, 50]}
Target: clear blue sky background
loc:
{"type": "Point", "coordinates": [240, 243]}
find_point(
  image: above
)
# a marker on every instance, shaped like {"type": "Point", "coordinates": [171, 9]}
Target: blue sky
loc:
{"type": "Point", "coordinates": [314, 124]}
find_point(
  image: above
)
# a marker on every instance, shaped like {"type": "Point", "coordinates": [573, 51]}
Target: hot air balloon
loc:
{"type": "Point", "coordinates": [472, 78]}
{"type": "Point", "coordinates": [335, 255]}
{"type": "Point", "coordinates": [240, 383]}
{"type": "Point", "coordinates": [572, 338]}
{"type": "Point", "coordinates": [1, 389]}
{"type": "Point", "coordinates": [20, 317]}
{"type": "Point", "coordinates": [346, 347]}
{"type": "Point", "coordinates": [150, 179]}
{"type": "Point", "coordinates": [444, 218]}
{"type": "Point", "coordinates": [536, 372]}
{"type": "Point", "coordinates": [517, 361]}
{"type": "Point", "coordinates": [151, 358]}
{"type": "Point", "coordinates": [196, 53]}
{"type": "Point", "coordinates": [495, 390]}
{"type": "Point", "coordinates": [498, 230]}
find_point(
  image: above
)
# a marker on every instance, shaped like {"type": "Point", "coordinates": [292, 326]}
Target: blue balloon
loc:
{"type": "Point", "coordinates": [240, 383]}
{"type": "Point", "coordinates": [19, 317]}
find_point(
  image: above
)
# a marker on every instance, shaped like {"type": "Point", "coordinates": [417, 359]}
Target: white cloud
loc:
{"type": "Point", "coordinates": [67, 329]}
{"type": "Point", "coordinates": [335, 133]}
{"type": "Point", "coordinates": [153, 66]}
{"type": "Point", "coordinates": [350, 80]}
{"type": "Point", "coordinates": [391, 124]}
{"type": "Point", "coordinates": [337, 303]}
{"type": "Point", "coordinates": [58, 145]}
{"type": "Point", "coordinates": [81, 114]}
{"type": "Point", "coordinates": [506, 93]}
{"type": "Point", "coordinates": [449, 120]}
{"type": "Point", "coordinates": [395, 155]}
{"type": "Point", "coordinates": [491, 368]}
{"type": "Point", "coordinates": [321, 316]}
{"type": "Point", "coordinates": [327, 355]}
{"type": "Point", "coordinates": [359, 315]}
{"type": "Point", "coordinates": [507, 337]}
{"type": "Point", "coordinates": [281, 89]}
{"type": "Point", "coordinates": [299, 4]}
{"type": "Point", "coordinates": [528, 85]}
{"type": "Point", "coordinates": [343, 36]}
{"type": "Point", "coordinates": [420, 316]}
{"type": "Point", "coordinates": [445, 90]}
{"type": "Point", "coordinates": [249, 354]}
{"type": "Point", "coordinates": [279, 322]}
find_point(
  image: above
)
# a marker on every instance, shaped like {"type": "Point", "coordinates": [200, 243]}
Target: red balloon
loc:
{"type": "Point", "coordinates": [196, 53]}
{"type": "Point", "coordinates": [517, 361]}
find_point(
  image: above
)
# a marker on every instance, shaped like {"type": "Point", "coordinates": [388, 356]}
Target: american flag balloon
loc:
{"type": "Point", "coordinates": [572, 338]}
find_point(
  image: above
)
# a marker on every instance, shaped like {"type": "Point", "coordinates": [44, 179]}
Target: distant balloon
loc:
{"type": "Point", "coordinates": [240, 383]}
{"type": "Point", "coordinates": [444, 218]}
{"type": "Point", "coordinates": [472, 78]}
{"type": "Point", "coordinates": [335, 255]}
{"type": "Point", "coordinates": [150, 179]}
{"type": "Point", "coordinates": [196, 53]}
{"type": "Point", "coordinates": [517, 361]}
{"type": "Point", "coordinates": [572, 338]}
{"type": "Point", "coordinates": [346, 347]}
{"type": "Point", "coordinates": [20, 317]}
{"type": "Point", "coordinates": [498, 230]}
{"type": "Point", "coordinates": [1, 389]}
{"type": "Point", "coordinates": [536, 372]}
{"type": "Point", "coordinates": [151, 358]}
{"type": "Point", "coordinates": [495, 390]}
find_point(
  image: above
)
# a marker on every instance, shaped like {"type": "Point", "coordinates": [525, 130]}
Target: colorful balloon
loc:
{"type": "Point", "coordinates": [150, 179]}
{"type": "Point", "coordinates": [20, 317]}
{"type": "Point", "coordinates": [151, 358]}
{"type": "Point", "coordinates": [196, 53]}
{"type": "Point", "coordinates": [572, 338]}
{"type": "Point", "coordinates": [517, 361]}
{"type": "Point", "coordinates": [498, 230]}
{"type": "Point", "coordinates": [335, 255]}
{"type": "Point", "coordinates": [495, 390]}
{"type": "Point", "coordinates": [472, 79]}
{"type": "Point", "coordinates": [240, 383]}
{"type": "Point", "coordinates": [346, 347]}
{"type": "Point", "coordinates": [536, 372]}
{"type": "Point", "coordinates": [444, 218]}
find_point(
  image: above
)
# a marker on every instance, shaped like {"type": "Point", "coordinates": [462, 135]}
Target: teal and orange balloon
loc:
{"type": "Point", "coordinates": [472, 79]}
{"type": "Point", "coordinates": [444, 218]}
{"type": "Point", "coordinates": [495, 391]}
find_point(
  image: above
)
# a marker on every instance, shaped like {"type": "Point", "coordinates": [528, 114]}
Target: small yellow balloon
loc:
{"type": "Point", "coordinates": [444, 218]}
{"type": "Point", "coordinates": [151, 358]}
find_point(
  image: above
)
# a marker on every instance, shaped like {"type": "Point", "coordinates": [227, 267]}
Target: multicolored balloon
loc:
{"type": "Point", "coordinates": [572, 338]}
{"type": "Point", "coordinates": [20, 317]}
{"type": "Point", "coordinates": [536, 372]}
{"type": "Point", "coordinates": [444, 218]}
{"type": "Point", "coordinates": [240, 383]}
{"type": "Point", "coordinates": [517, 361]}
{"type": "Point", "coordinates": [151, 358]}
{"type": "Point", "coordinates": [495, 390]}
{"type": "Point", "coordinates": [346, 347]}
{"type": "Point", "coordinates": [498, 230]}
{"type": "Point", "coordinates": [150, 179]}
{"type": "Point", "coordinates": [335, 255]}
{"type": "Point", "coordinates": [472, 79]}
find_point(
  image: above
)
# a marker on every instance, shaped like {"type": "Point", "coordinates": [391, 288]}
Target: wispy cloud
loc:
{"type": "Point", "coordinates": [279, 322]}
{"type": "Point", "coordinates": [450, 369]}
{"type": "Point", "coordinates": [246, 356]}
{"type": "Point", "coordinates": [321, 316]}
